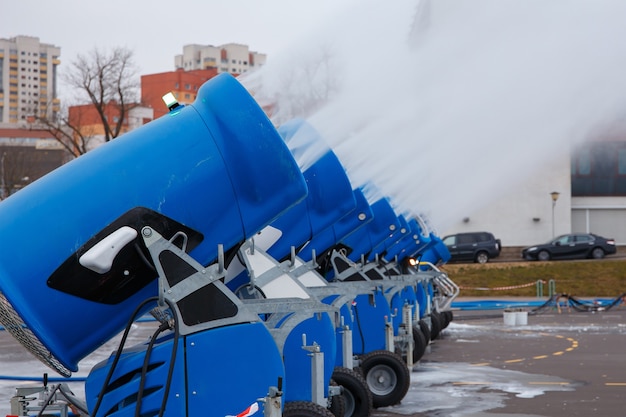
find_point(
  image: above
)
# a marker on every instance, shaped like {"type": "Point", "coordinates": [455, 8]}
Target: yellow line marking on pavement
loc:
{"type": "Point", "coordinates": [574, 345]}
{"type": "Point", "coordinates": [548, 383]}
{"type": "Point", "coordinates": [615, 384]}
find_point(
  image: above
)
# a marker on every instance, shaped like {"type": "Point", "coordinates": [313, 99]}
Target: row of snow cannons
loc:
{"type": "Point", "coordinates": [274, 287]}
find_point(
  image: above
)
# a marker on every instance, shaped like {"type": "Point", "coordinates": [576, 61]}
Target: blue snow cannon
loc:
{"type": "Point", "coordinates": [330, 197]}
{"type": "Point", "coordinates": [215, 170]}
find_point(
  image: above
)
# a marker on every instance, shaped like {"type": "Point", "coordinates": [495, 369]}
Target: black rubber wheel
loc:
{"type": "Point", "coordinates": [337, 403]}
{"type": "Point", "coordinates": [444, 320]}
{"type": "Point", "coordinates": [305, 409]}
{"type": "Point", "coordinates": [449, 317]}
{"type": "Point", "coordinates": [543, 256]}
{"type": "Point", "coordinates": [387, 377]}
{"type": "Point", "coordinates": [356, 395]}
{"type": "Point", "coordinates": [419, 343]}
{"type": "Point", "coordinates": [425, 329]}
{"type": "Point", "coordinates": [435, 325]}
{"type": "Point", "coordinates": [481, 257]}
{"type": "Point", "coordinates": [597, 253]}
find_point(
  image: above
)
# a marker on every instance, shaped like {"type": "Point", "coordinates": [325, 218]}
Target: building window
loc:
{"type": "Point", "coordinates": [621, 161]}
{"type": "Point", "coordinates": [581, 163]}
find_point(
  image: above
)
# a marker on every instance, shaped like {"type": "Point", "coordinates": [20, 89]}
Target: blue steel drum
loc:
{"type": "Point", "coordinates": [422, 297]}
{"type": "Point", "coordinates": [369, 314]}
{"type": "Point", "coordinates": [217, 170]}
{"type": "Point", "coordinates": [319, 329]}
{"type": "Point", "coordinates": [217, 372]}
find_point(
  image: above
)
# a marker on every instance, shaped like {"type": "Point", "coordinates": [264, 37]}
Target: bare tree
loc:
{"type": "Point", "coordinates": [105, 81]}
{"type": "Point", "coordinates": [20, 165]}
{"type": "Point", "coordinates": [71, 134]}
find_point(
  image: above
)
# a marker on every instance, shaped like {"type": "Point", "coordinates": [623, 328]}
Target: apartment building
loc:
{"type": "Point", "coordinates": [183, 84]}
{"type": "Point", "coordinates": [28, 79]}
{"type": "Point", "coordinates": [233, 58]}
{"type": "Point", "coordinates": [86, 119]}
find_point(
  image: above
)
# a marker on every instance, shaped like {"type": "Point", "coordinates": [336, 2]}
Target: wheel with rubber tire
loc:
{"type": "Point", "coordinates": [597, 253]}
{"type": "Point", "coordinates": [543, 255]}
{"type": "Point", "coordinates": [425, 328]}
{"type": "Point", "coordinates": [419, 343]}
{"type": "Point", "coordinates": [435, 325]}
{"type": "Point", "coordinates": [482, 257]}
{"type": "Point", "coordinates": [449, 317]}
{"type": "Point", "coordinates": [356, 394]}
{"type": "Point", "coordinates": [387, 377]}
{"type": "Point", "coordinates": [337, 403]}
{"type": "Point", "coordinates": [305, 409]}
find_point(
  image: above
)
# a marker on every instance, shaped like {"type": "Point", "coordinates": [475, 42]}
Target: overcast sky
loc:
{"type": "Point", "coordinates": [503, 84]}
{"type": "Point", "coordinates": [157, 30]}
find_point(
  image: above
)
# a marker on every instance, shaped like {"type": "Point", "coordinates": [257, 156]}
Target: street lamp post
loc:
{"type": "Point", "coordinates": [555, 196]}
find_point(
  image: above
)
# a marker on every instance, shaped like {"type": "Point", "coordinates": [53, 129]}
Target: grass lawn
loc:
{"type": "Point", "coordinates": [585, 278]}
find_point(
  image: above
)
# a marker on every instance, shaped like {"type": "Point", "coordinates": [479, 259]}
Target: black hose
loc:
{"type": "Point", "coordinates": [358, 325]}
{"type": "Point", "coordinates": [144, 369]}
{"type": "Point", "coordinates": [118, 353]}
{"type": "Point", "coordinates": [170, 372]}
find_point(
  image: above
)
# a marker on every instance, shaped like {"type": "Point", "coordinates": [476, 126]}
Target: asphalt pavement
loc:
{"type": "Point", "coordinates": [560, 363]}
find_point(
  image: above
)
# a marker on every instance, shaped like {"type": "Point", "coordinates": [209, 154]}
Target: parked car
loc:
{"type": "Point", "coordinates": [571, 246]}
{"type": "Point", "coordinates": [473, 246]}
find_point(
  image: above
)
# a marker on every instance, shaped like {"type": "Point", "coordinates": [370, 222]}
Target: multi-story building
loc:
{"type": "Point", "coordinates": [86, 119]}
{"type": "Point", "coordinates": [183, 84]}
{"type": "Point", "coordinates": [28, 79]}
{"type": "Point", "coordinates": [233, 58]}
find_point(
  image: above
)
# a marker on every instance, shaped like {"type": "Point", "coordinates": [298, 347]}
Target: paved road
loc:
{"type": "Point", "coordinates": [567, 364]}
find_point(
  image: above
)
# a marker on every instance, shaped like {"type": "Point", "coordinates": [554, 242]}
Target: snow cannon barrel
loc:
{"type": "Point", "coordinates": [330, 196]}
{"type": "Point", "coordinates": [436, 252]}
{"type": "Point", "coordinates": [409, 245]}
{"type": "Point", "coordinates": [326, 240]}
{"type": "Point", "coordinates": [73, 267]}
{"type": "Point", "coordinates": [384, 224]}
{"type": "Point", "coordinates": [396, 236]}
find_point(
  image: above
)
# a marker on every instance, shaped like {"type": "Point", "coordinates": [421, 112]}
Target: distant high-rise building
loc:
{"type": "Point", "coordinates": [28, 79]}
{"type": "Point", "coordinates": [233, 58]}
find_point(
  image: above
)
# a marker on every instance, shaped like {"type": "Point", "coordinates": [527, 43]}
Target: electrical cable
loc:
{"type": "Point", "coordinates": [118, 353]}
{"type": "Point", "coordinates": [170, 372]}
{"type": "Point", "coordinates": [358, 325]}
{"type": "Point", "coordinates": [144, 369]}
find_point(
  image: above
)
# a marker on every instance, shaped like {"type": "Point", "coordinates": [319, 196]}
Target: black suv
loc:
{"type": "Point", "coordinates": [473, 246]}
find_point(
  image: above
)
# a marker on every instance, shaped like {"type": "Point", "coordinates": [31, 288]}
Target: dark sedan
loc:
{"type": "Point", "coordinates": [572, 246]}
